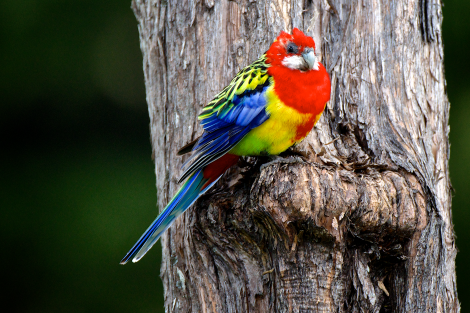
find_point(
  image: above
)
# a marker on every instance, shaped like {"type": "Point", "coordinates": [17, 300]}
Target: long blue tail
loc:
{"type": "Point", "coordinates": [183, 199]}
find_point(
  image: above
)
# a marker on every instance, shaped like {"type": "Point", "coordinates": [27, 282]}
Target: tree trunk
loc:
{"type": "Point", "coordinates": [357, 218]}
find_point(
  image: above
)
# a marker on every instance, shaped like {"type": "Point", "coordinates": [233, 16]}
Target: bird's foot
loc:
{"type": "Point", "coordinates": [282, 160]}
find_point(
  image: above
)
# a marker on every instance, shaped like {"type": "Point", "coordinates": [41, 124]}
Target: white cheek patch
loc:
{"type": "Point", "coordinates": [294, 62]}
{"type": "Point", "coordinates": [303, 63]}
{"type": "Point", "coordinates": [316, 65]}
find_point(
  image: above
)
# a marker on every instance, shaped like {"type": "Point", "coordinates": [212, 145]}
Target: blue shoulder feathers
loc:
{"type": "Point", "coordinates": [229, 117]}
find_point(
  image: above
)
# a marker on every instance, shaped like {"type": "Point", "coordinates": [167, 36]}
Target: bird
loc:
{"type": "Point", "coordinates": [269, 106]}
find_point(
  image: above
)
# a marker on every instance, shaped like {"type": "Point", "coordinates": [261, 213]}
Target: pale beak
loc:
{"type": "Point", "coordinates": [309, 56]}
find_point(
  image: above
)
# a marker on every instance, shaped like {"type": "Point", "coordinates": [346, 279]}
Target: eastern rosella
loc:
{"type": "Point", "coordinates": [269, 106]}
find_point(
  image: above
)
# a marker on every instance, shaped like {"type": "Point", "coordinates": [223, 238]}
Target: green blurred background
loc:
{"type": "Point", "coordinates": [78, 182]}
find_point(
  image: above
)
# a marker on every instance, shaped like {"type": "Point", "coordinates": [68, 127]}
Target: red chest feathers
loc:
{"type": "Point", "coordinates": [307, 92]}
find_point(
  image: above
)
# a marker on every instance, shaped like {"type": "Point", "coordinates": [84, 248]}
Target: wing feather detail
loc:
{"type": "Point", "coordinates": [237, 109]}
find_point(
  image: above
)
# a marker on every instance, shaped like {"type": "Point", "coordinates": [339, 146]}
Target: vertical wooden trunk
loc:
{"type": "Point", "coordinates": [357, 218]}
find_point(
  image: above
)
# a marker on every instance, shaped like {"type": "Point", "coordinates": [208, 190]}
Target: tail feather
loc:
{"type": "Point", "coordinates": [195, 186]}
{"type": "Point", "coordinates": [188, 193]}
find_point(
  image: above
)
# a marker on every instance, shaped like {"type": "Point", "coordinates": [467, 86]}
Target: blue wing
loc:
{"type": "Point", "coordinates": [240, 107]}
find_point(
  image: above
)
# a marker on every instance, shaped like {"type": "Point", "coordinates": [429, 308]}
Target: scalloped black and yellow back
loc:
{"type": "Point", "coordinates": [249, 79]}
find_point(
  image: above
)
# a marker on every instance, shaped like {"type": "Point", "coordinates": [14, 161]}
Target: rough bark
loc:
{"type": "Point", "coordinates": [357, 218]}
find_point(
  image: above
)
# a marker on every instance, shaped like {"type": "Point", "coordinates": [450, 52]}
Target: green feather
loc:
{"type": "Point", "coordinates": [248, 78]}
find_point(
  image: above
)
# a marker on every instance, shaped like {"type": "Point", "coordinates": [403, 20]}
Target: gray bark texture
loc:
{"type": "Point", "coordinates": [357, 218]}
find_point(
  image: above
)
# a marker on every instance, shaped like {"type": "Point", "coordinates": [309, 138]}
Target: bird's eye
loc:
{"type": "Point", "coordinates": [292, 48]}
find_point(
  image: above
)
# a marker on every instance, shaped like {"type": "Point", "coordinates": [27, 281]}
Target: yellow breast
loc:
{"type": "Point", "coordinates": [277, 133]}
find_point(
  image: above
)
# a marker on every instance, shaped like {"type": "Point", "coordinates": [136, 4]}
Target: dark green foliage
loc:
{"type": "Point", "coordinates": [456, 31]}
{"type": "Point", "coordinates": [77, 179]}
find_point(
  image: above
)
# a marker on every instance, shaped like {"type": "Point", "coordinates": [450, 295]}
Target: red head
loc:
{"type": "Point", "coordinates": [301, 82]}
{"type": "Point", "coordinates": [296, 51]}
